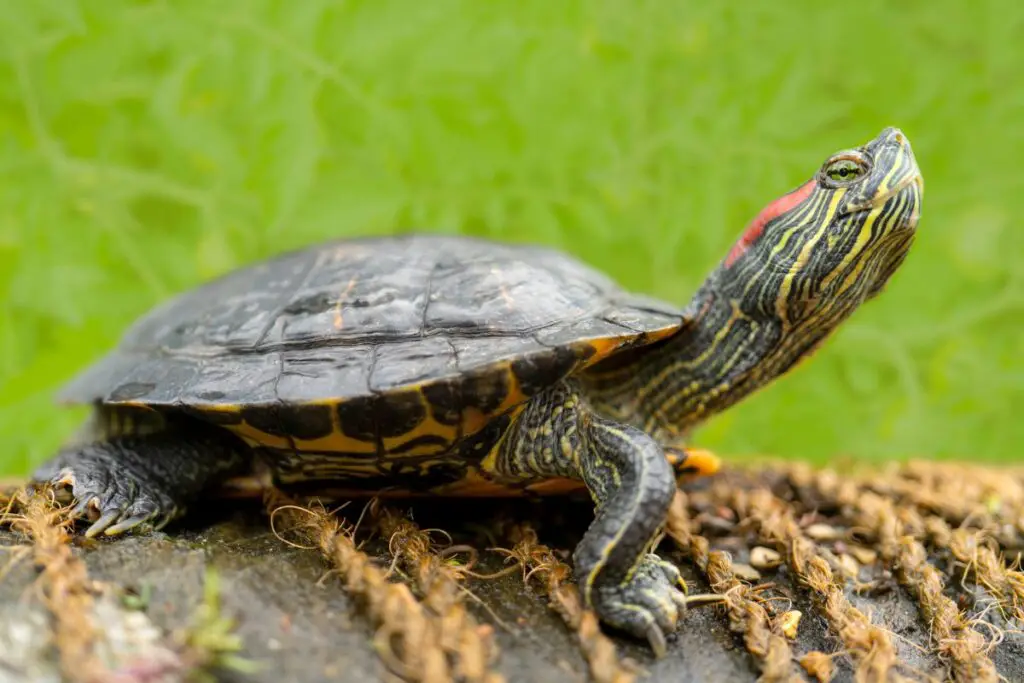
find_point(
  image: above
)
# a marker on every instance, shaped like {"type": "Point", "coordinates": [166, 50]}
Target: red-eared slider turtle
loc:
{"type": "Point", "coordinates": [450, 365]}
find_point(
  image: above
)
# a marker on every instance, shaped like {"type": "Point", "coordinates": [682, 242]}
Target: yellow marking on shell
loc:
{"type": "Point", "coordinates": [130, 403]}
{"type": "Point", "coordinates": [604, 347]}
{"type": "Point", "coordinates": [334, 467]}
{"type": "Point", "coordinates": [257, 437]}
{"type": "Point", "coordinates": [428, 428]}
{"type": "Point", "coordinates": [474, 419]}
{"type": "Point", "coordinates": [339, 321]}
{"type": "Point", "coordinates": [222, 408]}
{"type": "Point", "coordinates": [335, 442]}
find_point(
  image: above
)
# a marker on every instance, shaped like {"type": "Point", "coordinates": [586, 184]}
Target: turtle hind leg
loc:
{"type": "Point", "coordinates": [632, 484]}
{"type": "Point", "coordinates": [123, 482]}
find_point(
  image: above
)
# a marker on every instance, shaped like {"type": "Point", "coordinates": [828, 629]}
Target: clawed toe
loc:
{"type": "Point", "coordinates": [139, 481]}
{"type": "Point", "coordinates": [127, 524]}
{"type": "Point", "coordinates": [648, 605]}
{"type": "Point", "coordinates": [656, 638]}
{"type": "Point", "coordinates": [101, 524]}
{"type": "Point", "coordinates": [671, 572]}
{"type": "Point", "coordinates": [679, 598]}
{"type": "Point", "coordinates": [112, 509]}
{"type": "Point", "coordinates": [86, 506]}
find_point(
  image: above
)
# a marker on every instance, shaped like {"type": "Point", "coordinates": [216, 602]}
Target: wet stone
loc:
{"type": "Point", "coordinates": [297, 621]}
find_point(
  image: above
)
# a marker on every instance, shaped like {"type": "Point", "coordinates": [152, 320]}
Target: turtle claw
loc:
{"type": "Point", "coordinates": [111, 497]}
{"type": "Point", "coordinates": [656, 638]}
{"type": "Point", "coordinates": [648, 605]}
{"type": "Point", "coordinates": [102, 523]}
{"type": "Point", "coordinates": [672, 573]}
{"type": "Point", "coordinates": [680, 600]}
{"type": "Point", "coordinates": [168, 517]}
{"type": "Point", "coordinates": [126, 525]}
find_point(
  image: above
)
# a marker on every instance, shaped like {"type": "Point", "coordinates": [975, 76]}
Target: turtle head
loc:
{"type": "Point", "coordinates": [804, 264]}
{"type": "Point", "coordinates": [816, 253]}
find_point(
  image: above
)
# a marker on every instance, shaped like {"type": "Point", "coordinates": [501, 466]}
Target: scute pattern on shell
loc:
{"type": "Point", "coordinates": [356, 318]}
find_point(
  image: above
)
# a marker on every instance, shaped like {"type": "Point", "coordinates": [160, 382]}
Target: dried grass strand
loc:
{"type": "Point", "coordinates": [407, 638]}
{"type": "Point", "coordinates": [895, 531]}
{"type": "Point", "coordinates": [470, 645]}
{"type": "Point", "coordinates": [64, 583]}
{"type": "Point", "coordinates": [748, 617]}
{"type": "Point", "coordinates": [538, 562]}
{"type": "Point", "coordinates": [868, 645]}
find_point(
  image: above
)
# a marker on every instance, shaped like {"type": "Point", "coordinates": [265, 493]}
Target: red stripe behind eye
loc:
{"type": "Point", "coordinates": [773, 210]}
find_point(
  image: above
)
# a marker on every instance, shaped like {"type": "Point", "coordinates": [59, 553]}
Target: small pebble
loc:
{"type": "Point", "coordinates": [745, 572]}
{"type": "Point", "coordinates": [764, 558]}
{"type": "Point", "coordinates": [715, 525]}
{"type": "Point", "coordinates": [865, 556]}
{"type": "Point", "coordinates": [824, 532]}
{"type": "Point", "coordinates": [789, 622]}
{"type": "Point", "coordinates": [849, 565]}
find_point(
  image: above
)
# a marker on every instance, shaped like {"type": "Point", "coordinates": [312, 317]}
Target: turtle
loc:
{"type": "Point", "coordinates": [449, 365]}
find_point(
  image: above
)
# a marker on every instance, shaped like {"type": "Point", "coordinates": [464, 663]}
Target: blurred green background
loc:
{"type": "Point", "coordinates": [147, 146]}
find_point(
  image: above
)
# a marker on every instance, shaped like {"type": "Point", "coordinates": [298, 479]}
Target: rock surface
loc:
{"type": "Point", "coordinates": [298, 623]}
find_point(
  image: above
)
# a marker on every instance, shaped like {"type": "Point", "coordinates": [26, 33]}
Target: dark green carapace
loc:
{"type": "Point", "coordinates": [432, 365]}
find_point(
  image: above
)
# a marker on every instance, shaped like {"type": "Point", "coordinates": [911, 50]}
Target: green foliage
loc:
{"type": "Point", "coordinates": [147, 146]}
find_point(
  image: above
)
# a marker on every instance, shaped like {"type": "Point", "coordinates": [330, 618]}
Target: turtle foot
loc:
{"type": "Point", "coordinates": [647, 606]}
{"type": "Point", "coordinates": [115, 495]}
{"type": "Point", "coordinates": [128, 482]}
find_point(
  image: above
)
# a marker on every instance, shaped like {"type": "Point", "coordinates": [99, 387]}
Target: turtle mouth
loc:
{"type": "Point", "coordinates": [879, 200]}
{"type": "Point", "coordinates": [912, 179]}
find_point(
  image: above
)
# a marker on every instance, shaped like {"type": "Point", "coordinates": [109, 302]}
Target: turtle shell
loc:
{"type": "Point", "coordinates": [362, 350]}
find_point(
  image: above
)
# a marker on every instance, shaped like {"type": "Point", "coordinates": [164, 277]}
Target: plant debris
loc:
{"type": "Point", "coordinates": [64, 584]}
{"type": "Point", "coordinates": [748, 616]}
{"type": "Point", "coordinates": [469, 645]}
{"type": "Point", "coordinates": [796, 556]}
{"type": "Point", "coordinates": [894, 531]}
{"type": "Point", "coordinates": [539, 562]}
{"type": "Point", "coordinates": [869, 645]}
{"type": "Point", "coordinates": [409, 638]}
{"type": "Point", "coordinates": [97, 636]}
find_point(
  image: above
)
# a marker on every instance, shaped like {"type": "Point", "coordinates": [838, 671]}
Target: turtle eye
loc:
{"type": "Point", "coordinates": [844, 170]}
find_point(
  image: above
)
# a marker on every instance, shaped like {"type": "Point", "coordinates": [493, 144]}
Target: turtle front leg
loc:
{"type": "Point", "coordinates": [632, 484]}
{"type": "Point", "coordinates": [126, 481]}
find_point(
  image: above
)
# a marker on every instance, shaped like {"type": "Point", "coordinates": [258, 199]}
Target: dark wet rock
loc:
{"type": "Point", "coordinates": [297, 621]}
